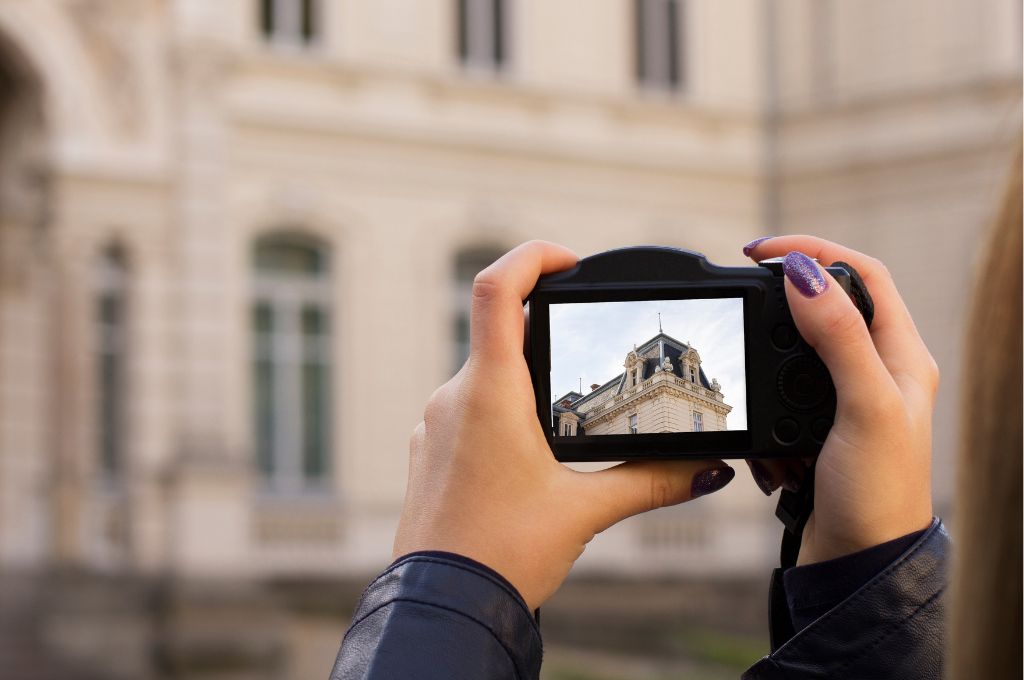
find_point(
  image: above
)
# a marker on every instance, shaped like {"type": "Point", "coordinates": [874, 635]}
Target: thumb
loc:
{"type": "Point", "coordinates": [638, 486]}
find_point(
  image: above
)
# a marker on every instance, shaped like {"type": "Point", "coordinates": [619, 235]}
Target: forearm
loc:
{"type": "Point", "coordinates": [891, 627]}
{"type": "Point", "coordinates": [437, 616]}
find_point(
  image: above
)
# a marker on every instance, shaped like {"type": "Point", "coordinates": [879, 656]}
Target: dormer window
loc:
{"type": "Point", "coordinates": [693, 375]}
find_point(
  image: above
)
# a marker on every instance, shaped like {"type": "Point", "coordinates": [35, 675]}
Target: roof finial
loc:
{"type": "Point", "coordinates": [659, 322]}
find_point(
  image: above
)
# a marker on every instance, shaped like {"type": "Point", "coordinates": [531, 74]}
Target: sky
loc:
{"type": "Point", "coordinates": [590, 340]}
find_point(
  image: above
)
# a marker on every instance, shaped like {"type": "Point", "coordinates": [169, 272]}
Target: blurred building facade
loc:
{"type": "Point", "coordinates": [237, 241]}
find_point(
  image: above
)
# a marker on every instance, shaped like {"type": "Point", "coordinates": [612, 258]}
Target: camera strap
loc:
{"type": "Point", "coordinates": [793, 510]}
{"type": "Point", "coordinates": [794, 507]}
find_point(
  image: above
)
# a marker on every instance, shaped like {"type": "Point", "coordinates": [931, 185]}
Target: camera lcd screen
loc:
{"type": "Point", "coordinates": [647, 367]}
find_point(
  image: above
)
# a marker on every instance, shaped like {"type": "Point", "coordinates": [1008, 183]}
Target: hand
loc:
{"type": "Point", "coordinates": [483, 481]}
{"type": "Point", "coordinates": [873, 476]}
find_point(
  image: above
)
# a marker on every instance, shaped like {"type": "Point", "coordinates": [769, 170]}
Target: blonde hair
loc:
{"type": "Point", "coordinates": [985, 635]}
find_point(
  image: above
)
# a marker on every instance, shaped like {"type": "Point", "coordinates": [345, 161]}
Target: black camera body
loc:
{"type": "Point", "coordinates": [776, 399]}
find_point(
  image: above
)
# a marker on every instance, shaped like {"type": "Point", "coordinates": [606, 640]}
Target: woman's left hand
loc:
{"type": "Point", "coordinates": [483, 481]}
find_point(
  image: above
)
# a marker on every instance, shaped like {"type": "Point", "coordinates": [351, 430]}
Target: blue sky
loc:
{"type": "Point", "coordinates": [590, 340]}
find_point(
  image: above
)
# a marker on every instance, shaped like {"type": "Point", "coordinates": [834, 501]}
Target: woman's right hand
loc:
{"type": "Point", "coordinates": [873, 475]}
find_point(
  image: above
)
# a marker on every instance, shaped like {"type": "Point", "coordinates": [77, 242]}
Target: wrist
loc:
{"type": "Point", "coordinates": [820, 546]}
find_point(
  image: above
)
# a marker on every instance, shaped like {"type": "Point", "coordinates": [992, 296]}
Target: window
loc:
{"type": "Point", "coordinates": [468, 263]}
{"type": "Point", "coordinates": [659, 28]}
{"type": "Point", "coordinates": [291, 331]}
{"type": "Point", "coordinates": [693, 374]}
{"type": "Point", "coordinates": [566, 429]}
{"type": "Point", "coordinates": [698, 421]}
{"type": "Point", "coordinates": [483, 34]}
{"type": "Point", "coordinates": [111, 328]}
{"type": "Point", "coordinates": [633, 424]}
{"type": "Point", "coordinates": [290, 22]}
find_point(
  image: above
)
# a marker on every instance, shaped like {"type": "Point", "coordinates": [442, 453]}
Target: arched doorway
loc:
{"type": "Point", "coordinates": [25, 539]}
{"type": "Point", "coordinates": [23, 167]}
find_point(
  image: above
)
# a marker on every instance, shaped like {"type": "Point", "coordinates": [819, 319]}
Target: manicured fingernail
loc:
{"type": "Point", "coordinates": [792, 481]}
{"type": "Point", "coordinates": [804, 274]}
{"type": "Point", "coordinates": [762, 477]}
{"type": "Point", "coordinates": [710, 481]}
{"type": "Point", "coordinates": [747, 249]}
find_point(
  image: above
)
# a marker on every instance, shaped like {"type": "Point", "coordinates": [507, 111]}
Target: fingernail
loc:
{"type": "Point", "coordinates": [710, 481]}
{"type": "Point", "coordinates": [762, 477]}
{"type": "Point", "coordinates": [804, 274]}
{"type": "Point", "coordinates": [753, 244]}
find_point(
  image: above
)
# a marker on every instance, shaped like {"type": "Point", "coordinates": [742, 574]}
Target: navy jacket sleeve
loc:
{"type": "Point", "coordinates": [891, 627]}
{"type": "Point", "coordinates": [440, 617]}
{"type": "Point", "coordinates": [436, 616]}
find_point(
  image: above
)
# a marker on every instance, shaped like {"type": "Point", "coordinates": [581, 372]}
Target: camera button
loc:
{"type": "Point", "coordinates": [784, 337]}
{"type": "Point", "coordinates": [786, 431]}
{"type": "Point", "coordinates": [820, 429]}
{"type": "Point", "coordinates": [803, 383]}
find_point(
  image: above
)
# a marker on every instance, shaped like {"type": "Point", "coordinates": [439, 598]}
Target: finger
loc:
{"type": "Point", "coordinates": [630, 488]}
{"type": "Point", "coordinates": [769, 475]}
{"type": "Point", "coordinates": [496, 320]}
{"type": "Point", "coordinates": [893, 331]}
{"type": "Point", "coordinates": [830, 323]}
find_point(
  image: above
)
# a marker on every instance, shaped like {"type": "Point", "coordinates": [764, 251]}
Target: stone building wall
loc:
{"type": "Point", "coordinates": [175, 131]}
{"type": "Point", "coordinates": [662, 403]}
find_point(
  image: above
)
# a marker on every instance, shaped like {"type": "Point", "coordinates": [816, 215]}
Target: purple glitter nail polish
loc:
{"type": "Point", "coordinates": [804, 274]}
{"type": "Point", "coordinates": [762, 477]}
{"type": "Point", "coordinates": [710, 481]}
{"type": "Point", "coordinates": [747, 249]}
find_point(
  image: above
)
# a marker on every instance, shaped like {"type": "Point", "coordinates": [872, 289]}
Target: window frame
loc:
{"type": "Point", "coordinates": [634, 423]}
{"type": "Point", "coordinates": [660, 58]}
{"type": "Point", "coordinates": [111, 285]}
{"type": "Point", "coordinates": [461, 295]}
{"type": "Point", "coordinates": [483, 36]}
{"type": "Point", "coordinates": [698, 421]}
{"type": "Point", "coordinates": [291, 24]}
{"type": "Point", "coordinates": [289, 350]}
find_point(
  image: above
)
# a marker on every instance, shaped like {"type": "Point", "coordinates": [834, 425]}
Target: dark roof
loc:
{"type": "Point", "coordinates": [593, 393]}
{"type": "Point", "coordinates": [651, 354]}
{"type": "Point", "coordinates": [571, 396]}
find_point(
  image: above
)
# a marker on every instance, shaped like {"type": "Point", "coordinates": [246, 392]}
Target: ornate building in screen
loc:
{"type": "Point", "coordinates": [661, 389]}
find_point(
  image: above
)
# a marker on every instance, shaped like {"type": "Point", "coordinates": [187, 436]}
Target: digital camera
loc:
{"type": "Point", "coordinates": [654, 352]}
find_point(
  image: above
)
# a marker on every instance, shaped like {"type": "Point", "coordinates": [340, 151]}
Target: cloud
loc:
{"type": "Point", "coordinates": [590, 340]}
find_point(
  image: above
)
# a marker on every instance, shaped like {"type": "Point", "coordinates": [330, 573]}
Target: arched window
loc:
{"type": "Point", "coordinates": [291, 362]}
{"type": "Point", "coordinates": [111, 282]}
{"type": "Point", "coordinates": [468, 263]}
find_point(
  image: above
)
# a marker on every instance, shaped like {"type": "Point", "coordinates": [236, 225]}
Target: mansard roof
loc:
{"type": "Point", "coordinates": [650, 352]}
{"type": "Point", "coordinates": [603, 388]}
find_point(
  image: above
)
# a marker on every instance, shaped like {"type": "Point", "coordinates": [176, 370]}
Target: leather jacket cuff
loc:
{"type": "Point", "coordinates": [888, 628]}
{"type": "Point", "coordinates": [463, 588]}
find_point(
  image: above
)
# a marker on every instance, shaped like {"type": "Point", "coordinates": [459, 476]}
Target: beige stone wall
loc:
{"type": "Point", "coordinates": [172, 129]}
{"type": "Point", "coordinates": [663, 403]}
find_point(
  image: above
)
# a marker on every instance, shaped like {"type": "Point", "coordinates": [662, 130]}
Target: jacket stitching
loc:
{"type": "Point", "coordinates": [497, 638]}
{"type": "Point", "coordinates": [878, 581]}
{"type": "Point", "coordinates": [455, 565]}
{"type": "Point", "coordinates": [889, 630]}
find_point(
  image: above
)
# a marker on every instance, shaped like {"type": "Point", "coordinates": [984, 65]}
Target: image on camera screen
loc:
{"type": "Point", "coordinates": [647, 367]}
